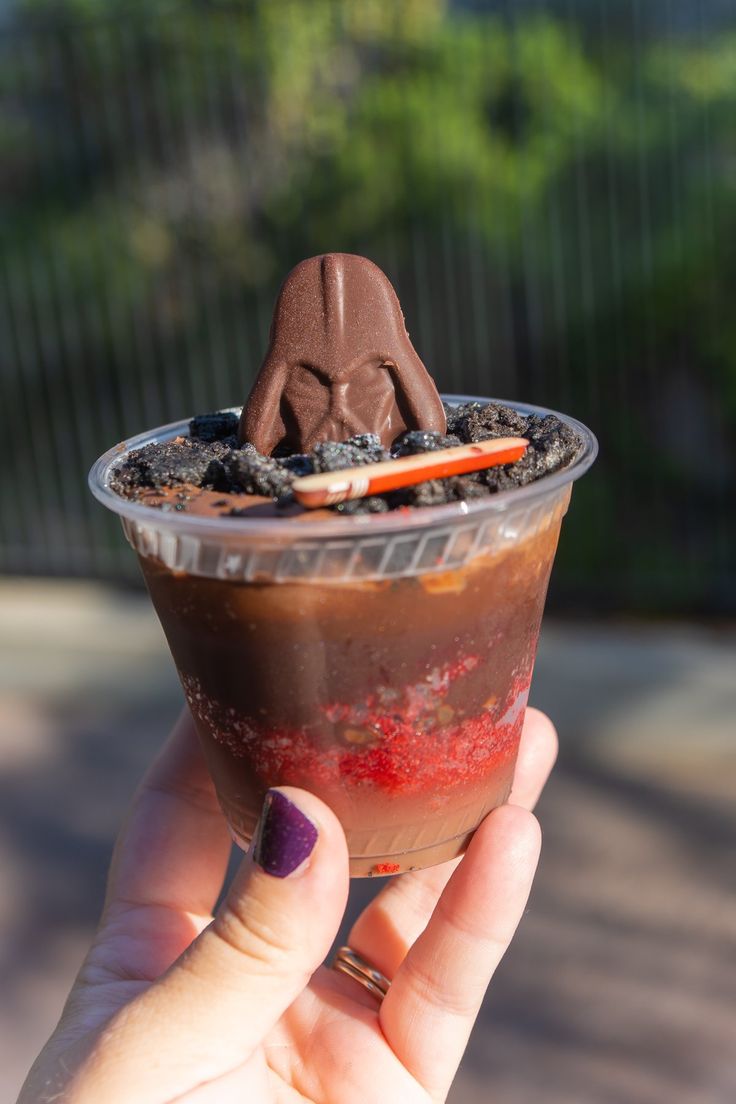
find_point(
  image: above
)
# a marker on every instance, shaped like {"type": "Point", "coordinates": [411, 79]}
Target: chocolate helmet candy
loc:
{"type": "Point", "coordinates": [339, 362]}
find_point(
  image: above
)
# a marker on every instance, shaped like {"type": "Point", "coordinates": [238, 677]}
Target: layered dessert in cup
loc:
{"type": "Point", "coordinates": [377, 652]}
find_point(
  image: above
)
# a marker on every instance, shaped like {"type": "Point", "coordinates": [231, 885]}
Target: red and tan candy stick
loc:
{"type": "Point", "coordinates": [390, 475]}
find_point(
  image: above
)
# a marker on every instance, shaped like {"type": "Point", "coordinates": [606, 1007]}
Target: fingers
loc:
{"type": "Point", "coordinates": [434, 999]}
{"type": "Point", "coordinates": [174, 846]}
{"type": "Point", "coordinates": [537, 755]}
{"type": "Point", "coordinates": [207, 1014]}
{"type": "Point", "coordinates": [398, 914]}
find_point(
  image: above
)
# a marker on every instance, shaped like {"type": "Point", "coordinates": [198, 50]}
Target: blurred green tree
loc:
{"type": "Point", "coordinates": [554, 198]}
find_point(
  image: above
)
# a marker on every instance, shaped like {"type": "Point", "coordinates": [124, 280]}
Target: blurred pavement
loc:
{"type": "Point", "coordinates": [620, 987]}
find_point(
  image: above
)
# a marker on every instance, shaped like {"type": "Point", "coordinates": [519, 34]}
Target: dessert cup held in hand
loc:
{"type": "Point", "coordinates": [381, 661]}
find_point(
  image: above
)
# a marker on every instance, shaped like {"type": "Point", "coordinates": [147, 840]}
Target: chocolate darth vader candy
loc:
{"type": "Point", "coordinates": [339, 362]}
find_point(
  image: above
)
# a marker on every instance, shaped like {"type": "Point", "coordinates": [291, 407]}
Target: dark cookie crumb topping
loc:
{"type": "Point", "coordinates": [183, 460]}
{"type": "Point", "coordinates": [414, 441]}
{"type": "Point", "coordinates": [214, 427]}
{"type": "Point", "coordinates": [365, 448]}
{"type": "Point", "coordinates": [211, 458]}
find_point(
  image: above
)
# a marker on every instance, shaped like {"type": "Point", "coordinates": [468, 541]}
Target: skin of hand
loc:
{"type": "Point", "coordinates": [173, 1004]}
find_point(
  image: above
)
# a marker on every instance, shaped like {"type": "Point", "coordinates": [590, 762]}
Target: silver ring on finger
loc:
{"type": "Point", "coordinates": [347, 961]}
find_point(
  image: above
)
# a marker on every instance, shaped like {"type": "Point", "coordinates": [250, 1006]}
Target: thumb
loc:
{"type": "Point", "coordinates": [208, 1013]}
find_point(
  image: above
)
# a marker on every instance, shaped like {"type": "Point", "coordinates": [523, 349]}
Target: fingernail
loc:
{"type": "Point", "coordinates": [285, 837]}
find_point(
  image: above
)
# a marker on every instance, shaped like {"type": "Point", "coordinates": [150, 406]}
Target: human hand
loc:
{"type": "Point", "coordinates": [173, 1005]}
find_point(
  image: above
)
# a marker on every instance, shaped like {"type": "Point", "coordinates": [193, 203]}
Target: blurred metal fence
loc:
{"type": "Point", "coordinates": [549, 186]}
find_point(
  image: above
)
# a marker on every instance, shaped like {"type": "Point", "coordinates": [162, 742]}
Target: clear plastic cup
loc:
{"type": "Point", "coordinates": [380, 661]}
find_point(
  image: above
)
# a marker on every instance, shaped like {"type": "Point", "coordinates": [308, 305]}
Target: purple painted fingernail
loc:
{"type": "Point", "coordinates": [286, 837]}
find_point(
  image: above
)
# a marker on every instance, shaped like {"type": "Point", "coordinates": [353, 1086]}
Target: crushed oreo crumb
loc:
{"type": "Point", "coordinates": [372, 504]}
{"type": "Point", "coordinates": [552, 444]}
{"type": "Point", "coordinates": [365, 448]}
{"type": "Point", "coordinates": [299, 464]}
{"type": "Point", "coordinates": [437, 492]}
{"type": "Point", "coordinates": [250, 473]}
{"type": "Point", "coordinates": [475, 421]}
{"type": "Point", "coordinates": [370, 445]}
{"type": "Point", "coordinates": [414, 441]}
{"type": "Point", "coordinates": [170, 463]}
{"type": "Point", "coordinates": [215, 427]}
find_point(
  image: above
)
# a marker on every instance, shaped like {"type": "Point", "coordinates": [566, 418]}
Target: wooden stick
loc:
{"type": "Point", "coordinates": [327, 488]}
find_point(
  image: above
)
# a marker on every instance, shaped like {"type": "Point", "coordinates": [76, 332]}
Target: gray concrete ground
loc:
{"type": "Point", "coordinates": [620, 986]}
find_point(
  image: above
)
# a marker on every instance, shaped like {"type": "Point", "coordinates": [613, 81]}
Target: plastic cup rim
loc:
{"type": "Point", "coordinates": [355, 525]}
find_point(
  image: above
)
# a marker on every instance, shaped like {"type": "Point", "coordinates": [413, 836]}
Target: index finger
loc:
{"type": "Point", "coordinates": [173, 849]}
{"type": "Point", "coordinates": [399, 913]}
{"type": "Point", "coordinates": [537, 755]}
{"type": "Point", "coordinates": [433, 1001]}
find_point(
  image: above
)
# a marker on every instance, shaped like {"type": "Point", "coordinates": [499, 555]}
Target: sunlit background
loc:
{"type": "Point", "coordinates": [551, 187]}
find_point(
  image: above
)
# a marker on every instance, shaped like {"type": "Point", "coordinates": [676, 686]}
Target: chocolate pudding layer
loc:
{"type": "Point", "coordinates": [398, 701]}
